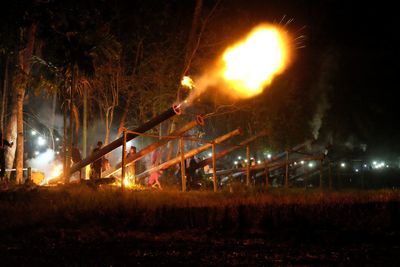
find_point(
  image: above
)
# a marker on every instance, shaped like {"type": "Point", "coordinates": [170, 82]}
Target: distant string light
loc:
{"type": "Point", "coordinates": [378, 165]}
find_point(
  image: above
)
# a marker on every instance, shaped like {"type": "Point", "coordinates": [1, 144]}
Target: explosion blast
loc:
{"type": "Point", "coordinates": [248, 66]}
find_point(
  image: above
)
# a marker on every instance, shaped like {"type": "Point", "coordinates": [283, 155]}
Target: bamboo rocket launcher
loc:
{"type": "Point", "coordinates": [223, 153]}
{"type": "Point", "coordinates": [174, 110]}
{"type": "Point", "coordinates": [190, 153]}
{"type": "Point", "coordinates": [199, 121]}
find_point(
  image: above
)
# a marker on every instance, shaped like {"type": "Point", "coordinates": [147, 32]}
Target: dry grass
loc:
{"type": "Point", "coordinates": [81, 206]}
{"type": "Point", "coordinates": [83, 226]}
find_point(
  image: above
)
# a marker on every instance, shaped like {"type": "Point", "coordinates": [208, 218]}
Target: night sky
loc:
{"type": "Point", "coordinates": [360, 41]}
{"type": "Point", "coordinates": [349, 58]}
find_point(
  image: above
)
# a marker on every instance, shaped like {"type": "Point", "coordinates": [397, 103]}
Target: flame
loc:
{"type": "Point", "coordinates": [251, 64]}
{"type": "Point", "coordinates": [187, 82]}
{"type": "Point", "coordinates": [129, 183]}
{"type": "Point", "coordinates": [55, 172]}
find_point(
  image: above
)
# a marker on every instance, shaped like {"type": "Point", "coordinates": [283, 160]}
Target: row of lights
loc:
{"type": "Point", "coordinates": [375, 165]}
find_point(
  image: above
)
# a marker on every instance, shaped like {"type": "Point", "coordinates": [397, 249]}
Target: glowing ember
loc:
{"type": "Point", "coordinates": [187, 82]}
{"type": "Point", "coordinates": [251, 64]}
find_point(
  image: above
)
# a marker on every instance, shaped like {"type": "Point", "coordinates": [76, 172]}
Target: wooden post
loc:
{"type": "Point", "coordinates": [287, 170]}
{"type": "Point", "coordinates": [123, 159]}
{"type": "Point", "coordinates": [183, 170]}
{"type": "Point", "coordinates": [338, 176]}
{"type": "Point", "coordinates": [214, 164]}
{"type": "Point", "coordinates": [306, 175]}
{"type": "Point", "coordinates": [362, 177]}
{"type": "Point", "coordinates": [84, 128]}
{"type": "Point", "coordinates": [321, 174]}
{"type": "Point", "coordinates": [330, 175]}
{"type": "Point", "coordinates": [266, 177]}
{"type": "Point", "coordinates": [248, 165]}
{"type": "Point", "coordinates": [29, 177]}
{"type": "Point", "coordinates": [133, 169]}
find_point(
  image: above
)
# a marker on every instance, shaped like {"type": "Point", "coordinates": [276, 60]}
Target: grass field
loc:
{"type": "Point", "coordinates": [81, 225]}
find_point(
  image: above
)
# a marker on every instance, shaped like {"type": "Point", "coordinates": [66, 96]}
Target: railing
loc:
{"type": "Point", "coordinates": [27, 170]}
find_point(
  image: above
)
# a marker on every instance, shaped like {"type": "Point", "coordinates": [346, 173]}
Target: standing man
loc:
{"type": "Point", "coordinates": [98, 164]}
{"type": "Point", "coordinates": [76, 157]}
{"type": "Point", "coordinates": [3, 143]}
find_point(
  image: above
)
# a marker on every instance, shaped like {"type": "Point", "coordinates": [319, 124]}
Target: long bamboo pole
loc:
{"type": "Point", "coordinates": [330, 174]}
{"type": "Point", "coordinates": [182, 158]}
{"type": "Point", "coordinates": [189, 154]}
{"type": "Point", "coordinates": [123, 159]}
{"type": "Point", "coordinates": [287, 170]}
{"type": "Point", "coordinates": [321, 175]}
{"type": "Point", "coordinates": [142, 153]}
{"type": "Point", "coordinates": [174, 110]}
{"type": "Point", "coordinates": [214, 163]}
{"type": "Point", "coordinates": [248, 165]}
{"type": "Point", "coordinates": [229, 150]}
{"type": "Point", "coordinates": [271, 165]}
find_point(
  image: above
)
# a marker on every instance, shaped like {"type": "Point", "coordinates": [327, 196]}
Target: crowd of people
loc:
{"type": "Point", "coordinates": [102, 164]}
{"type": "Point", "coordinates": [153, 180]}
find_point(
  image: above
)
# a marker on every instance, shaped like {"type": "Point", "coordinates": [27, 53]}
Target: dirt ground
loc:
{"type": "Point", "coordinates": [78, 232]}
{"type": "Point", "coordinates": [105, 247]}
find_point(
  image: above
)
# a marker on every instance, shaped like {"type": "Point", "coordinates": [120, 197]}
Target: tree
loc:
{"type": "Point", "coordinates": [74, 40]}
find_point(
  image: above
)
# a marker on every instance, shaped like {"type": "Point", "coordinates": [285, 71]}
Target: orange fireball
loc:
{"type": "Point", "coordinates": [252, 63]}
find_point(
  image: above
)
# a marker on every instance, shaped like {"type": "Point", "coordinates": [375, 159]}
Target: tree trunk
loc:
{"type": "Point", "coordinates": [53, 117]}
{"type": "Point", "coordinates": [107, 127]}
{"type": "Point", "coordinates": [64, 146]}
{"type": "Point", "coordinates": [20, 135]}
{"type": "Point", "coordinates": [11, 133]}
{"type": "Point", "coordinates": [85, 111]}
{"type": "Point", "coordinates": [4, 95]}
{"type": "Point", "coordinates": [16, 124]}
{"type": "Point", "coordinates": [71, 121]}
